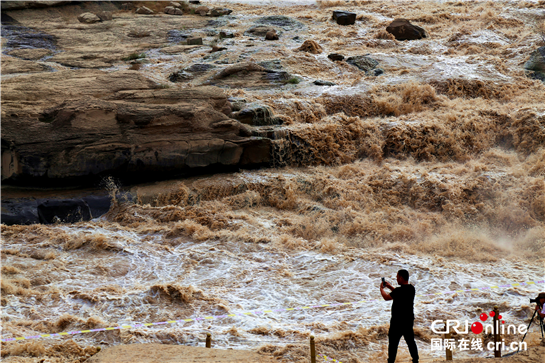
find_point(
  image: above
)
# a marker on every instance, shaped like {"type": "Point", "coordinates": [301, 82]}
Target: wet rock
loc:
{"type": "Point", "coordinates": [66, 211]}
{"type": "Point", "coordinates": [249, 75]}
{"type": "Point", "coordinates": [280, 21]}
{"type": "Point", "coordinates": [144, 10]}
{"type": "Point", "coordinates": [30, 54]}
{"type": "Point", "coordinates": [104, 15]}
{"type": "Point", "coordinates": [375, 72]}
{"type": "Point", "coordinates": [175, 36]}
{"type": "Point", "coordinates": [220, 12]}
{"type": "Point", "coordinates": [19, 211]}
{"type": "Point", "coordinates": [271, 35]}
{"type": "Point", "coordinates": [310, 46]}
{"type": "Point", "coordinates": [194, 41]}
{"type": "Point", "coordinates": [190, 72]}
{"type": "Point", "coordinates": [226, 35]}
{"type": "Point", "coordinates": [535, 66]}
{"type": "Point", "coordinates": [237, 103]}
{"type": "Point", "coordinates": [100, 205]}
{"type": "Point", "coordinates": [220, 22]}
{"type": "Point", "coordinates": [202, 10]}
{"type": "Point", "coordinates": [203, 67]}
{"type": "Point", "coordinates": [402, 29]}
{"type": "Point", "coordinates": [273, 64]}
{"type": "Point", "coordinates": [363, 62]}
{"type": "Point", "coordinates": [319, 82]}
{"type": "Point", "coordinates": [259, 31]}
{"type": "Point", "coordinates": [256, 115]}
{"type": "Point", "coordinates": [23, 37]}
{"type": "Point", "coordinates": [336, 57]}
{"type": "Point", "coordinates": [210, 32]}
{"type": "Point", "coordinates": [216, 48]}
{"type": "Point", "coordinates": [171, 10]}
{"type": "Point", "coordinates": [344, 17]}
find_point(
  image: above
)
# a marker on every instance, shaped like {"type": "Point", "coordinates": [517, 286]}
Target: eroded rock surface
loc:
{"type": "Point", "coordinates": [133, 128]}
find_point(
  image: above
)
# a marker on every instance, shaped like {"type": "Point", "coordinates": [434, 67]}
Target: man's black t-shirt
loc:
{"type": "Point", "coordinates": [402, 308]}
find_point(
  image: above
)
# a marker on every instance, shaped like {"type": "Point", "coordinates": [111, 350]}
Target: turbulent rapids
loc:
{"type": "Point", "coordinates": [436, 165]}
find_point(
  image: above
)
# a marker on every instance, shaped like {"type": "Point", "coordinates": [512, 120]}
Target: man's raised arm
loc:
{"type": "Point", "coordinates": [384, 294]}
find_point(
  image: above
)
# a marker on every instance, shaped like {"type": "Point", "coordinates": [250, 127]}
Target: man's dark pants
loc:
{"type": "Point", "coordinates": [397, 330]}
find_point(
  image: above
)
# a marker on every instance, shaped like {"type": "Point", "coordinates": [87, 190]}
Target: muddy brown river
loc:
{"type": "Point", "coordinates": [436, 165]}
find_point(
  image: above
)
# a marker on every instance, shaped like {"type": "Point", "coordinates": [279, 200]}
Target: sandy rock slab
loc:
{"type": "Point", "coordinates": [92, 122]}
{"type": "Point", "coordinates": [11, 65]}
{"type": "Point", "coordinates": [151, 353]}
{"type": "Point", "coordinates": [30, 54]}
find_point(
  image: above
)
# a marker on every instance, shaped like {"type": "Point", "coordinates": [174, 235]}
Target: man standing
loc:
{"type": "Point", "coordinates": [540, 306]}
{"type": "Point", "coordinates": [402, 320]}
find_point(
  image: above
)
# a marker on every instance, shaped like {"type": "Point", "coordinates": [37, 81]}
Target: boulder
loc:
{"type": "Point", "coordinates": [144, 10]}
{"type": "Point", "coordinates": [259, 31]}
{"type": "Point", "coordinates": [535, 66]}
{"type": "Point", "coordinates": [88, 18]}
{"type": "Point", "coordinates": [224, 35]}
{"type": "Point", "coordinates": [271, 35]}
{"type": "Point", "coordinates": [310, 46]}
{"type": "Point", "coordinates": [336, 57]}
{"type": "Point", "coordinates": [25, 218]}
{"type": "Point", "coordinates": [25, 210]}
{"type": "Point", "coordinates": [171, 10]}
{"type": "Point", "coordinates": [175, 4]}
{"type": "Point", "coordinates": [344, 17]}
{"type": "Point", "coordinates": [104, 15]}
{"type": "Point", "coordinates": [194, 41]}
{"type": "Point", "coordinates": [100, 205]}
{"type": "Point", "coordinates": [363, 62]}
{"type": "Point", "coordinates": [202, 10]}
{"type": "Point", "coordinates": [134, 130]}
{"type": "Point", "coordinates": [402, 29]}
{"type": "Point", "coordinates": [19, 211]}
{"type": "Point", "coordinates": [220, 12]}
{"type": "Point", "coordinates": [66, 211]}
{"type": "Point", "coordinates": [320, 82]}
